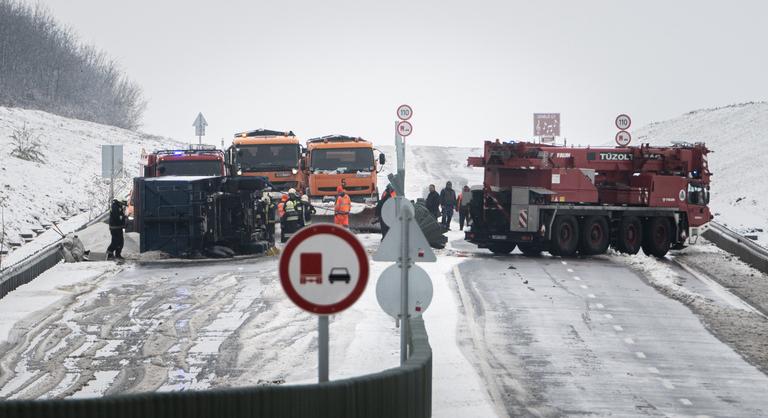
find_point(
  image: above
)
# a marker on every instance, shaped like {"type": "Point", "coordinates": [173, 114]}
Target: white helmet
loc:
{"type": "Point", "coordinates": [291, 191]}
{"type": "Point", "coordinates": [305, 198]}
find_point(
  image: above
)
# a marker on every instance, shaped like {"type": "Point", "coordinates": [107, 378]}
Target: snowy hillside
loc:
{"type": "Point", "coordinates": [738, 137]}
{"type": "Point", "coordinates": [68, 182]}
{"type": "Point", "coordinates": [427, 165]}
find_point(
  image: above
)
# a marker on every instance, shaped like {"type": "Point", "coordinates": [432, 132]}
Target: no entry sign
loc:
{"type": "Point", "coordinates": [324, 269]}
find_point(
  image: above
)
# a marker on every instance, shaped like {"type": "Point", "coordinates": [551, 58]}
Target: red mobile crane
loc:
{"type": "Point", "coordinates": [567, 199]}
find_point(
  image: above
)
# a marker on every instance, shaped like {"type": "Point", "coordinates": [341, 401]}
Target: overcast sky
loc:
{"type": "Point", "coordinates": [471, 70]}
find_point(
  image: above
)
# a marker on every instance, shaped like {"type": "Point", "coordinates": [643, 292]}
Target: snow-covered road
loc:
{"type": "Point", "coordinates": [586, 337]}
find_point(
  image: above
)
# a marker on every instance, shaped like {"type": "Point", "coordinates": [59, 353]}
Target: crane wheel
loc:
{"type": "Point", "coordinates": [657, 236]}
{"type": "Point", "coordinates": [630, 236]}
{"type": "Point", "coordinates": [501, 249]}
{"type": "Point", "coordinates": [565, 236]}
{"type": "Point", "coordinates": [595, 235]}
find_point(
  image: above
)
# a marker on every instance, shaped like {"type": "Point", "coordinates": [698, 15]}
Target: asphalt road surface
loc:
{"type": "Point", "coordinates": [575, 337]}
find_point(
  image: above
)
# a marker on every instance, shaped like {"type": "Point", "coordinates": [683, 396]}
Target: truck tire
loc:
{"type": "Point", "coordinates": [501, 249]}
{"type": "Point", "coordinates": [565, 236]}
{"type": "Point", "coordinates": [595, 235]}
{"type": "Point", "coordinates": [529, 249]}
{"type": "Point", "coordinates": [657, 236]}
{"type": "Point", "coordinates": [630, 235]}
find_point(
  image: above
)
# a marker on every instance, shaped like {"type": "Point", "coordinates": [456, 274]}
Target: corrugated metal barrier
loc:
{"type": "Point", "coordinates": [402, 392]}
{"type": "Point", "coordinates": [27, 270]}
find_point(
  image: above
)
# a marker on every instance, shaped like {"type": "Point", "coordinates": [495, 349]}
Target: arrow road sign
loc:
{"type": "Point", "coordinates": [324, 269]}
{"type": "Point", "coordinates": [200, 124]}
{"type": "Point", "coordinates": [389, 250]}
{"type": "Point", "coordinates": [419, 291]}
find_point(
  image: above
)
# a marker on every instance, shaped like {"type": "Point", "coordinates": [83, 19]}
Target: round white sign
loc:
{"type": "Point", "coordinates": [419, 291]}
{"type": "Point", "coordinates": [404, 128]}
{"type": "Point", "coordinates": [324, 268]}
{"type": "Point", "coordinates": [623, 138]}
{"type": "Point", "coordinates": [404, 112]}
{"type": "Point", "coordinates": [390, 212]}
{"type": "Point", "coordinates": [623, 122]}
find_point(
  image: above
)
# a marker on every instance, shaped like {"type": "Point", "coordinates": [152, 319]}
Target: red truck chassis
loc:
{"type": "Point", "coordinates": [569, 200]}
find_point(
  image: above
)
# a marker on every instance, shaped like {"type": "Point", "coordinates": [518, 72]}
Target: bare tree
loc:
{"type": "Point", "coordinates": [44, 66]}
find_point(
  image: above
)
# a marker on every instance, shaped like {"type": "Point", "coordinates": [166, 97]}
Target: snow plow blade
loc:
{"type": "Point", "coordinates": [362, 217]}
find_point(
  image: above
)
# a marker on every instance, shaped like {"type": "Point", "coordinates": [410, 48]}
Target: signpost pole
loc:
{"type": "Point", "coordinates": [405, 264]}
{"type": "Point", "coordinates": [322, 348]}
{"type": "Point", "coordinates": [111, 176]}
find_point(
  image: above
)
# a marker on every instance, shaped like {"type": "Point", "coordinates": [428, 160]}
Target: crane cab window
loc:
{"type": "Point", "coordinates": [698, 194]}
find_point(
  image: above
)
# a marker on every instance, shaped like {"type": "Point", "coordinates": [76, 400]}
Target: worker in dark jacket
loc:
{"type": "Point", "coordinates": [388, 193]}
{"type": "Point", "coordinates": [307, 211]}
{"type": "Point", "coordinates": [116, 226]}
{"type": "Point", "coordinates": [433, 201]}
{"type": "Point", "coordinates": [447, 204]}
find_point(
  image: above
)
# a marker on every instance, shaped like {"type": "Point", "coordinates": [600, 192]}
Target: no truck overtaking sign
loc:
{"type": "Point", "coordinates": [404, 128]}
{"type": "Point", "coordinates": [324, 269]}
{"type": "Point", "coordinates": [623, 138]}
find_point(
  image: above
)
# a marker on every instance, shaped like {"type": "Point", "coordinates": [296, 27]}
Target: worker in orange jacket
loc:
{"type": "Point", "coordinates": [281, 206]}
{"type": "Point", "coordinates": [342, 208]}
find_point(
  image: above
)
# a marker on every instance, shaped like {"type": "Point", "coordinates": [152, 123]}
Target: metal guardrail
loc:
{"type": "Point", "coordinates": [36, 264]}
{"type": "Point", "coordinates": [747, 250]}
{"type": "Point", "coordinates": [404, 391]}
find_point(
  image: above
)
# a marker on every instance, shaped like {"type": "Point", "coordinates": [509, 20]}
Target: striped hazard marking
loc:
{"type": "Point", "coordinates": [522, 219]}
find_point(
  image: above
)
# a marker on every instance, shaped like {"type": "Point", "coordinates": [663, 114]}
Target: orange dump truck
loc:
{"type": "Point", "coordinates": [272, 154]}
{"type": "Point", "coordinates": [349, 162]}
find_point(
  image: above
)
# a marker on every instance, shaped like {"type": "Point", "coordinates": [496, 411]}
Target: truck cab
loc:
{"type": "Point", "coordinates": [272, 154]}
{"type": "Point", "coordinates": [338, 160]}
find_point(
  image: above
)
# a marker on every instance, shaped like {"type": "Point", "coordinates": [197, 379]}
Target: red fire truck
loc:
{"type": "Point", "coordinates": [568, 199]}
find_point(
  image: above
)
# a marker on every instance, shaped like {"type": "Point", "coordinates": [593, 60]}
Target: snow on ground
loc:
{"type": "Point", "coordinates": [737, 136]}
{"type": "Point", "coordinates": [68, 182]}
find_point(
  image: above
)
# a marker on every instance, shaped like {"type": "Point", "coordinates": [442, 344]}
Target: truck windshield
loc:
{"type": "Point", "coordinates": [698, 194]}
{"type": "Point", "coordinates": [189, 168]}
{"type": "Point", "coordinates": [264, 157]}
{"type": "Point", "coordinates": [342, 159]}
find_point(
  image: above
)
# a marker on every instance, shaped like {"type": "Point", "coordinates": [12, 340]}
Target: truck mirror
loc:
{"type": "Point", "coordinates": [382, 159]}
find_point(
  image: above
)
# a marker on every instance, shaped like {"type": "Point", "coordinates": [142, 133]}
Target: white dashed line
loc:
{"type": "Point", "coordinates": [653, 370]}
{"type": "Point", "coordinates": [564, 262]}
{"type": "Point", "coordinates": [630, 341]}
{"type": "Point", "coordinates": [685, 402]}
{"type": "Point", "coordinates": [667, 384]}
{"type": "Point", "coordinates": [577, 278]}
{"type": "Point", "coordinates": [584, 286]}
{"type": "Point", "coordinates": [600, 306]}
{"type": "Point", "coordinates": [569, 270]}
{"type": "Point", "coordinates": [618, 328]}
{"type": "Point", "coordinates": [640, 354]}
{"type": "Point", "coordinates": [608, 316]}
{"type": "Point", "coordinates": [591, 295]}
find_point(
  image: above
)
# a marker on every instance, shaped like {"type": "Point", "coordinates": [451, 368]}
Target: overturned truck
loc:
{"type": "Point", "coordinates": [197, 217]}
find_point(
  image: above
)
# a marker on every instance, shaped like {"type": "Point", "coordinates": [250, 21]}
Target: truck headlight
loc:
{"type": "Point", "coordinates": [294, 171]}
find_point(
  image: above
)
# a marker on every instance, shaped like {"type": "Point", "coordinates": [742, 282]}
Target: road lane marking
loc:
{"type": "Point", "coordinates": [591, 295]}
{"type": "Point", "coordinates": [631, 341]}
{"type": "Point", "coordinates": [608, 316]}
{"type": "Point", "coordinates": [576, 278]}
{"type": "Point", "coordinates": [640, 354]}
{"type": "Point", "coordinates": [685, 402]}
{"type": "Point", "coordinates": [584, 286]}
{"type": "Point", "coordinates": [618, 328]}
{"type": "Point", "coordinates": [654, 370]}
{"type": "Point", "coordinates": [600, 306]}
{"type": "Point", "coordinates": [564, 262]}
{"type": "Point", "coordinates": [569, 270]}
{"type": "Point", "coordinates": [667, 384]}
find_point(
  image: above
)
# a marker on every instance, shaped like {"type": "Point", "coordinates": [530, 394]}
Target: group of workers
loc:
{"type": "Point", "coordinates": [443, 205]}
